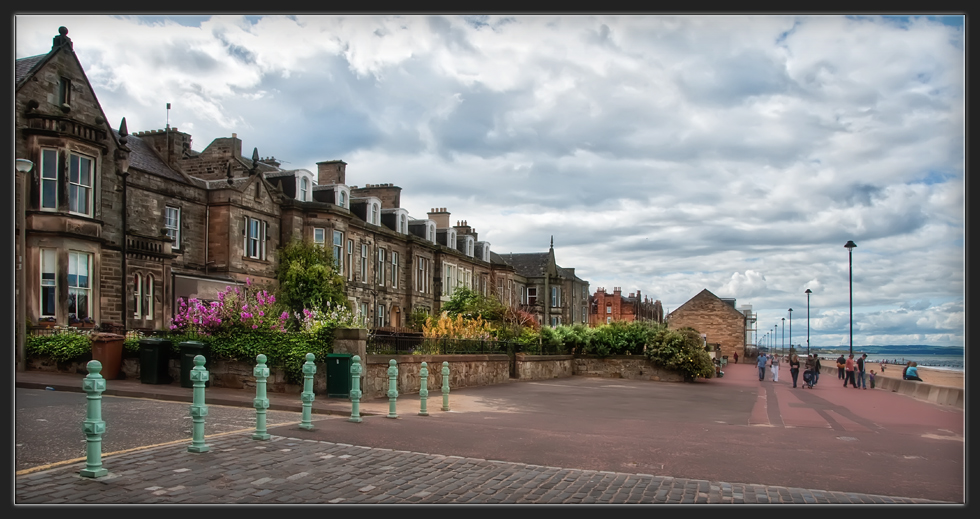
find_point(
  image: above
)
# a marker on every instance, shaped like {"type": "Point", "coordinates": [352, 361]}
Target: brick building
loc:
{"type": "Point", "coordinates": [605, 308]}
{"type": "Point", "coordinates": [114, 227]}
{"type": "Point", "coordinates": [714, 317]}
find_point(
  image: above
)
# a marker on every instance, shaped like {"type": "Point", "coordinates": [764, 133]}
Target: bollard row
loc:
{"type": "Point", "coordinates": [94, 385]}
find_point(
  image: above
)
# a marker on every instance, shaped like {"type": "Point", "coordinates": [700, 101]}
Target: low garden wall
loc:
{"type": "Point", "coordinates": [634, 367]}
{"type": "Point", "coordinates": [544, 367]}
{"type": "Point", "coordinates": [464, 371]}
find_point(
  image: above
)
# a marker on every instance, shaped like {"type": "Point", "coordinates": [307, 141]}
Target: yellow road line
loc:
{"type": "Point", "coordinates": [134, 449]}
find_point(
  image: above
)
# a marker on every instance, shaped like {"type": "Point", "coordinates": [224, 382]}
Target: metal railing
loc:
{"type": "Point", "coordinates": [403, 344]}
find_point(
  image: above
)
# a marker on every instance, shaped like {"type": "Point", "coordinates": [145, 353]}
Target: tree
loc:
{"type": "Point", "coordinates": [308, 278]}
{"type": "Point", "coordinates": [472, 304]}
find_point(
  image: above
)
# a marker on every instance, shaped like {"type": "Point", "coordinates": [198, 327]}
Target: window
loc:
{"type": "Point", "coordinates": [48, 284]}
{"type": "Point", "coordinates": [585, 292]}
{"type": "Point", "coordinates": [394, 269]}
{"type": "Point", "coordinates": [363, 262]}
{"type": "Point", "coordinates": [404, 225]}
{"type": "Point", "coordinates": [381, 316]}
{"type": "Point", "coordinates": [585, 312]}
{"type": "Point", "coordinates": [172, 224]}
{"type": "Point", "coordinates": [255, 237]}
{"type": "Point", "coordinates": [608, 320]}
{"type": "Point", "coordinates": [469, 247]}
{"type": "Point", "coordinates": [350, 260]}
{"type": "Point", "coordinates": [422, 276]}
{"type": "Point", "coordinates": [379, 274]}
{"type": "Point", "coordinates": [338, 250]}
{"type": "Point", "coordinates": [148, 297]}
{"type": "Point", "coordinates": [374, 214]}
{"type": "Point", "coordinates": [608, 309]}
{"type": "Point", "coordinates": [523, 295]}
{"type": "Point", "coordinates": [555, 321]}
{"type": "Point", "coordinates": [432, 233]}
{"type": "Point", "coordinates": [450, 279]}
{"type": "Point", "coordinates": [137, 296]}
{"type": "Point", "coordinates": [49, 180]}
{"type": "Point", "coordinates": [532, 295]}
{"type": "Point", "coordinates": [555, 297]}
{"type": "Point", "coordinates": [343, 199]}
{"type": "Point", "coordinates": [64, 91]}
{"type": "Point", "coordinates": [318, 236]}
{"type": "Point", "coordinates": [79, 285]}
{"type": "Point", "coordinates": [304, 187]}
{"type": "Point", "coordinates": [80, 185]}
{"type": "Point", "coordinates": [364, 315]}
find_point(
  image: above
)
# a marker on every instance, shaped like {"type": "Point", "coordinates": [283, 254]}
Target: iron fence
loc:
{"type": "Point", "coordinates": [403, 344]}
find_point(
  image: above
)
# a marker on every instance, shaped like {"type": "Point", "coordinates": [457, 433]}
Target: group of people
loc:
{"type": "Point", "coordinates": [812, 365]}
{"type": "Point", "coordinates": [853, 371]}
{"type": "Point", "coordinates": [911, 371]}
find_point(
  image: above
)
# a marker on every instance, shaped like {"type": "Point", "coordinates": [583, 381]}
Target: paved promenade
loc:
{"type": "Point", "coordinates": [572, 440]}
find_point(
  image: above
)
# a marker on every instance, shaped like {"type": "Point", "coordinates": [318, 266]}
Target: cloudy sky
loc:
{"type": "Point", "coordinates": [667, 154]}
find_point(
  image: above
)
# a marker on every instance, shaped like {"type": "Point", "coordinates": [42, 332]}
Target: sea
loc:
{"type": "Point", "coordinates": [939, 357]}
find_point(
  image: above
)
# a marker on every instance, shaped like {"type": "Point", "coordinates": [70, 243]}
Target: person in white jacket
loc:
{"type": "Point", "coordinates": [774, 367]}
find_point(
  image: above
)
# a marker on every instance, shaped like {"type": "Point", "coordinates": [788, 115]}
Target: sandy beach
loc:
{"type": "Point", "coordinates": [939, 377]}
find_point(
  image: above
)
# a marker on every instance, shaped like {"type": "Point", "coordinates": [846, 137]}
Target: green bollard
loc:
{"type": "Point", "coordinates": [355, 392]}
{"type": "Point", "coordinates": [445, 385]}
{"type": "Point", "coordinates": [309, 369]}
{"type": "Point", "coordinates": [424, 388]}
{"type": "Point", "coordinates": [93, 427]}
{"type": "Point", "coordinates": [199, 376]}
{"type": "Point", "coordinates": [261, 402]}
{"type": "Point", "coordinates": [392, 389]}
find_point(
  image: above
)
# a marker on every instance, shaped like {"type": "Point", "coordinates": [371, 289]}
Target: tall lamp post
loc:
{"type": "Point", "coordinates": [776, 334]}
{"type": "Point", "coordinates": [850, 289]}
{"type": "Point", "coordinates": [791, 329]}
{"type": "Point", "coordinates": [783, 345]}
{"type": "Point", "coordinates": [808, 292]}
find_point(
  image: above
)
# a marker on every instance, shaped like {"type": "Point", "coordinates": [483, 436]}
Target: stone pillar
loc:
{"type": "Point", "coordinates": [350, 340]}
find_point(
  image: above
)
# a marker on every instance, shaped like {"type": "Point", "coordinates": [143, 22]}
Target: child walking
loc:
{"type": "Point", "coordinates": [872, 379]}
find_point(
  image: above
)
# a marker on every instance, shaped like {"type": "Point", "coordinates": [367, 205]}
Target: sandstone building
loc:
{"type": "Point", "coordinates": [716, 318]}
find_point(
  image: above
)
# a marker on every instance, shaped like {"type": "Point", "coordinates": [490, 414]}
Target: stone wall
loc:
{"type": "Point", "coordinates": [635, 367]}
{"type": "Point", "coordinates": [544, 367]}
{"type": "Point", "coordinates": [464, 371]}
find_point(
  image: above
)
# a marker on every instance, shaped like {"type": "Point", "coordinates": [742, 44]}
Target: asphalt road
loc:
{"type": "Point", "coordinates": [49, 424]}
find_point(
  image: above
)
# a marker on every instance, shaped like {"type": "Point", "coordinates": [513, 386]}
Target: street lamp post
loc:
{"type": "Point", "coordinates": [850, 289]}
{"type": "Point", "coordinates": [776, 334]}
{"type": "Point", "coordinates": [791, 328]}
{"type": "Point", "coordinates": [783, 345]}
{"type": "Point", "coordinates": [808, 292]}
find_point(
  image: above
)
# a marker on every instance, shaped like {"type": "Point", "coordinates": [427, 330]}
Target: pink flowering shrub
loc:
{"type": "Point", "coordinates": [236, 308]}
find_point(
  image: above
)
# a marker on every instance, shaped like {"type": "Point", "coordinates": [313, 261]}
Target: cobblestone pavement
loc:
{"type": "Point", "coordinates": [293, 471]}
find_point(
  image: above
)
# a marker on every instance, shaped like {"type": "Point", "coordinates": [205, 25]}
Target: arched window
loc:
{"type": "Point", "coordinates": [137, 296]}
{"type": "Point", "coordinates": [374, 214]}
{"type": "Point", "coordinates": [343, 199]}
{"type": "Point", "coordinates": [304, 187]}
{"type": "Point", "coordinates": [148, 297]}
{"type": "Point", "coordinates": [404, 225]}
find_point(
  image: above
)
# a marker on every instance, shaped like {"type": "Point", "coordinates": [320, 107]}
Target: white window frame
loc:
{"type": "Point", "coordinates": [78, 290]}
{"type": "Point", "coordinates": [148, 297]}
{"type": "Point", "coordinates": [49, 167]}
{"type": "Point", "coordinates": [171, 221]}
{"type": "Point", "coordinates": [555, 296]}
{"type": "Point", "coordinates": [422, 281]}
{"type": "Point", "coordinates": [403, 228]}
{"type": "Point", "coordinates": [255, 237]}
{"type": "Point", "coordinates": [608, 308]}
{"type": "Point", "coordinates": [319, 236]}
{"type": "Point", "coordinates": [394, 269]}
{"type": "Point", "coordinates": [364, 259]}
{"type": "Point", "coordinates": [450, 278]}
{"type": "Point", "coordinates": [49, 266]}
{"type": "Point", "coordinates": [350, 259]}
{"type": "Point", "coordinates": [379, 276]}
{"type": "Point", "coordinates": [338, 250]}
{"type": "Point", "coordinates": [431, 233]}
{"type": "Point", "coordinates": [137, 295]}
{"type": "Point", "coordinates": [343, 198]}
{"type": "Point", "coordinates": [364, 314]}
{"type": "Point", "coordinates": [608, 320]}
{"type": "Point", "coordinates": [304, 189]}
{"type": "Point", "coordinates": [380, 318]}
{"type": "Point", "coordinates": [75, 187]}
{"type": "Point", "coordinates": [374, 214]}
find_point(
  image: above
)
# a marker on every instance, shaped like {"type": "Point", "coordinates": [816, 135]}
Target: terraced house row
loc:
{"type": "Point", "coordinates": [114, 227]}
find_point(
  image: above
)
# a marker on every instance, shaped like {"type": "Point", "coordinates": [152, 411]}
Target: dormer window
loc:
{"type": "Point", "coordinates": [432, 233]}
{"type": "Point", "coordinates": [304, 189]}
{"type": "Point", "coordinates": [374, 214]}
{"type": "Point", "coordinates": [469, 247]}
{"type": "Point", "coordinates": [403, 227]}
{"type": "Point", "coordinates": [343, 199]}
{"type": "Point", "coordinates": [452, 240]}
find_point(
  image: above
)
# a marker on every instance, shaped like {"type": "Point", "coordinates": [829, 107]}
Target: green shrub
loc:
{"type": "Point", "coordinates": [61, 347]}
{"type": "Point", "coordinates": [681, 350]}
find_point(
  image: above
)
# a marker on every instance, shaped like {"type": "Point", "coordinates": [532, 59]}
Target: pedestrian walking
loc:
{"type": "Point", "coordinates": [736, 357]}
{"type": "Point", "coordinates": [849, 371]}
{"type": "Point", "coordinates": [794, 367]}
{"type": "Point", "coordinates": [816, 368]}
{"type": "Point", "coordinates": [840, 367]}
{"type": "Point", "coordinates": [860, 371]}
{"type": "Point", "coordinates": [762, 366]}
{"type": "Point", "coordinates": [774, 367]}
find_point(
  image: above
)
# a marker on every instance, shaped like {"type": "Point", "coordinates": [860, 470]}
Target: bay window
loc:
{"type": "Point", "coordinates": [49, 286]}
{"type": "Point", "coordinates": [49, 180]}
{"type": "Point", "coordinates": [80, 172]}
{"type": "Point", "coordinates": [79, 285]}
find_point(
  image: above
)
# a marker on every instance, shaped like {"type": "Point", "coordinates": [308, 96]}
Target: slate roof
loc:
{"type": "Point", "coordinates": [24, 65]}
{"type": "Point", "coordinates": [280, 173]}
{"type": "Point", "coordinates": [143, 158]}
{"type": "Point", "coordinates": [528, 264]}
{"type": "Point", "coordinates": [567, 273]}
